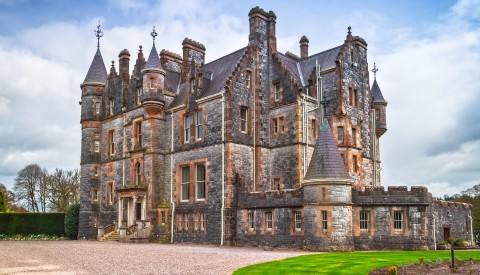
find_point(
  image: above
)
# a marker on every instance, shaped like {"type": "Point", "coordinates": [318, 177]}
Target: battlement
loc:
{"type": "Point", "coordinates": [398, 195]}
{"type": "Point", "coordinates": [258, 10]}
{"type": "Point", "coordinates": [283, 198]}
{"type": "Point", "coordinates": [188, 41]}
{"type": "Point", "coordinates": [170, 54]}
{"type": "Point", "coordinates": [451, 204]}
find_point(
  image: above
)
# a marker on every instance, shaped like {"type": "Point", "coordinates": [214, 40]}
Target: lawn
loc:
{"type": "Point", "coordinates": [350, 262]}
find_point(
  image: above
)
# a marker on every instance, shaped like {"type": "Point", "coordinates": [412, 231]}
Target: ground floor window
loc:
{"type": "Point", "coordinates": [298, 220]}
{"type": "Point", "coordinates": [364, 221]}
{"type": "Point", "coordinates": [324, 221]}
{"type": "Point", "coordinates": [251, 221]}
{"type": "Point", "coordinates": [202, 221]}
{"type": "Point", "coordinates": [398, 221]}
{"type": "Point", "coordinates": [269, 221]}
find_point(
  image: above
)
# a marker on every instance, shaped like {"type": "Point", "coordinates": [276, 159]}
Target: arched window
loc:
{"type": "Point", "coordinates": [138, 174]}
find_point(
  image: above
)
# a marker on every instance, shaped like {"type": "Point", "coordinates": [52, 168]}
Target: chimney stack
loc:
{"type": "Point", "coordinates": [303, 47]}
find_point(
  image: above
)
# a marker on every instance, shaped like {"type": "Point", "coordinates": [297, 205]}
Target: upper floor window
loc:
{"type": "Point", "coordinates": [111, 141]}
{"type": "Point", "coordinates": [377, 114]}
{"type": "Point", "coordinates": [185, 185]}
{"type": "Point", "coordinates": [96, 146]}
{"type": "Point", "coordinates": [340, 134]}
{"type": "Point", "coordinates": [248, 79]}
{"type": "Point", "coordinates": [96, 171]}
{"type": "Point", "coordinates": [314, 128]}
{"type": "Point", "coordinates": [186, 128]}
{"type": "Point", "coordinates": [95, 195]}
{"type": "Point", "coordinates": [110, 193]}
{"type": "Point", "coordinates": [192, 85]}
{"type": "Point", "coordinates": [354, 137]}
{"type": "Point", "coordinates": [138, 129]}
{"type": "Point", "coordinates": [364, 221]}
{"type": "Point", "coordinates": [324, 221]}
{"type": "Point", "coordinates": [276, 184]}
{"type": "Point", "coordinates": [277, 92]}
{"type": "Point", "coordinates": [275, 126]}
{"type": "Point", "coordinates": [200, 182]}
{"type": "Point", "coordinates": [355, 163]}
{"type": "Point", "coordinates": [138, 96]}
{"type": "Point", "coordinates": [97, 108]}
{"type": "Point", "coordinates": [111, 104]}
{"type": "Point", "coordinates": [398, 221]}
{"type": "Point", "coordinates": [243, 119]}
{"type": "Point", "coordinates": [138, 174]}
{"type": "Point", "coordinates": [152, 83]}
{"type": "Point", "coordinates": [199, 123]}
{"type": "Point", "coordinates": [281, 124]}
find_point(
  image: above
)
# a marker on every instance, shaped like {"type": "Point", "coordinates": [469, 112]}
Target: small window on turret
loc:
{"type": "Point", "coordinates": [340, 134]}
{"type": "Point", "coordinates": [377, 114]}
{"type": "Point", "coordinates": [152, 83]}
{"type": "Point", "coordinates": [97, 108]}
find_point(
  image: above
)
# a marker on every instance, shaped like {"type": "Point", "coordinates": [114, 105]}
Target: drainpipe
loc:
{"type": "Point", "coordinates": [374, 149]}
{"type": "Point", "coordinates": [171, 183]}
{"type": "Point", "coordinates": [223, 171]}
{"type": "Point", "coordinates": [434, 231]}
{"type": "Point", "coordinates": [471, 230]}
{"type": "Point", "coordinates": [254, 122]}
{"type": "Point", "coordinates": [305, 136]}
{"type": "Point", "coordinates": [124, 144]}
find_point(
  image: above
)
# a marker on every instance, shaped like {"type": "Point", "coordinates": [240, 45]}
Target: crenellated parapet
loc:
{"type": "Point", "coordinates": [284, 198]}
{"type": "Point", "coordinates": [395, 195]}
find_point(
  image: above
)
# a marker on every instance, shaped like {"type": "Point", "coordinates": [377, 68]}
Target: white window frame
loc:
{"type": "Point", "coordinates": [200, 182]}
{"type": "Point", "coordinates": [97, 108]}
{"type": "Point", "coordinates": [269, 221]}
{"type": "Point", "coordinates": [163, 219]}
{"type": "Point", "coordinates": [192, 85]}
{"type": "Point", "coordinates": [139, 95]}
{"type": "Point", "coordinates": [96, 146]}
{"type": "Point", "coordinates": [340, 134]}
{"type": "Point", "coordinates": [277, 92]}
{"type": "Point", "coordinates": [152, 83]}
{"type": "Point", "coordinates": [198, 125]}
{"type": "Point", "coordinates": [364, 220]}
{"type": "Point", "coordinates": [248, 79]}
{"type": "Point", "coordinates": [297, 220]}
{"type": "Point", "coordinates": [398, 221]}
{"type": "Point", "coordinates": [202, 221]}
{"type": "Point", "coordinates": [185, 183]}
{"type": "Point", "coordinates": [111, 136]}
{"type": "Point", "coordinates": [251, 221]}
{"type": "Point", "coordinates": [243, 119]}
{"type": "Point", "coordinates": [111, 104]}
{"type": "Point", "coordinates": [186, 128]}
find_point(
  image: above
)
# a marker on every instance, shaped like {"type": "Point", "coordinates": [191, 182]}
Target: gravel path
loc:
{"type": "Point", "coordinates": [90, 257]}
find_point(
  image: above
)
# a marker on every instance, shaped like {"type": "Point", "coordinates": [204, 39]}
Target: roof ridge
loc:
{"type": "Point", "coordinates": [225, 56]}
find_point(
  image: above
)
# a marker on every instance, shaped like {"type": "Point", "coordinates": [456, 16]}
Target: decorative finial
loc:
{"type": "Point", "coordinates": [349, 30]}
{"type": "Point", "coordinates": [153, 34]}
{"type": "Point", "coordinates": [98, 33]}
{"type": "Point", "coordinates": [375, 70]}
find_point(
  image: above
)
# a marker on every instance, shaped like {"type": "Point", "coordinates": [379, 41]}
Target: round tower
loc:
{"type": "Point", "coordinates": [91, 114]}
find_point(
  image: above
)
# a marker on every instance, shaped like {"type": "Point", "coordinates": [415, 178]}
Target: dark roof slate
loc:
{"type": "Point", "coordinates": [326, 162]}
{"type": "Point", "coordinates": [290, 64]}
{"type": "Point", "coordinates": [172, 80]}
{"type": "Point", "coordinates": [97, 73]}
{"type": "Point", "coordinates": [377, 93]}
{"type": "Point", "coordinates": [153, 61]}
{"type": "Point", "coordinates": [326, 60]}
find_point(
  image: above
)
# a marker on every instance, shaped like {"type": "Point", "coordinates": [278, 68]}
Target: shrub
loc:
{"type": "Point", "coordinates": [71, 221]}
{"type": "Point", "coordinates": [392, 270]}
{"type": "Point", "coordinates": [32, 223]}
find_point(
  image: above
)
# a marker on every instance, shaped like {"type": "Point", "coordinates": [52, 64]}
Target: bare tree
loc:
{"type": "Point", "coordinates": [26, 186]}
{"type": "Point", "coordinates": [64, 189]}
{"type": "Point", "coordinates": [43, 193]}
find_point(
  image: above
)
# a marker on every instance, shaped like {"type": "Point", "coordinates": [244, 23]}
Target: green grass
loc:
{"type": "Point", "coordinates": [350, 262]}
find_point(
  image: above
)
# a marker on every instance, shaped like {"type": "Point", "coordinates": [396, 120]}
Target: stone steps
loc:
{"type": "Point", "coordinates": [113, 236]}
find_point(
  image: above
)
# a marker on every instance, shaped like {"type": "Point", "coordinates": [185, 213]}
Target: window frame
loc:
{"type": "Point", "coordinates": [192, 85]}
{"type": "Point", "coordinates": [269, 221]}
{"type": "Point", "coordinates": [297, 221]}
{"type": "Point", "coordinates": [139, 133]}
{"type": "Point", "coordinates": [185, 183]}
{"type": "Point", "coordinates": [111, 105]}
{"type": "Point", "coordinates": [354, 137]}
{"type": "Point", "coordinates": [248, 79]}
{"type": "Point", "coordinates": [109, 195]}
{"type": "Point", "coordinates": [138, 97]}
{"type": "Point", "coordinates": [187, 121]}
{"type": "Point", "coordinates": [251, 221]}
{"type": "Point", "coordinates": [96, 146]}
{"type": "Point", "coordinates": [138, 173]}
{"type": "Point", "coordinates": [202, 221]}
{"type": "Point", "coordinates": [398, 221]}
{"type": "Point", "coordinates": [340, 134]}
{"type": "Point", "coordinates": [276, 184]}
{"type": "Point", "coordinates": [243, 119]}
{"type": "Point", "coordinates": [276, 92]}
{"type": "Point", "coordinates": [275, 126]}
{"type": "Point", "coordinates": [97, 108]}
{"type": "Point", "coordinates": [365, 220]}
{"type": "Point", "coordinates": [186, 220]}
{"type": "Point", "coordinates": [195, 222]}
{"type": "Point", "coordinates": [324, 221]}
{"type": "Point", "coordinates": [198, 125]}
{"type": "Point", "coordinates": [111, 142]}
{"type": "Point", "coordinates": [151, 83]}
{"type": "Point", "coordinates": [180, 222]}
{"type": "Point", "coordinates": [198, 182]}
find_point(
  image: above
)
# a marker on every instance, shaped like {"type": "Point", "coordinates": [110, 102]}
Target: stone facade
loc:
{"type": "Point", "coordinates": [239, 151]}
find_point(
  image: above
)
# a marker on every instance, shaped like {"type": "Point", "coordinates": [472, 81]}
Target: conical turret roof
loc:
{"type": "Point", "coordinates": [377, 93]}
{"type": "Point", "coordinates": [153, 61]}
{"type": "Point", "coordinates": [326, 162]}
{"type": "Point", "coordinates": [97, 73]}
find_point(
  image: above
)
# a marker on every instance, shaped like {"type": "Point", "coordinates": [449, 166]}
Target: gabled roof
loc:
{"type": "Point", "coordinates": [377, 93]}
{"type": "Point", "coordinates": [97, 73]}
{"type": "Point", "coordinates": [326, 60]}
{"type": "Point", "coordinates": [326, 162]}
{"type": "Point", "coordinates": [215, 73]}
{"type": "Point", "coordinates": [153, 61]}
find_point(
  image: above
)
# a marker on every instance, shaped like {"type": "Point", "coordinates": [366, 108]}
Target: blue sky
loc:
{"type": "Point", "coordinates": [427, 53]}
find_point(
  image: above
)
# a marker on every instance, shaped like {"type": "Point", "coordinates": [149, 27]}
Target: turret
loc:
{"type": "Point", "coordinates": [153, 75]}
{"type": "Point", "coordinates": [380, 105]}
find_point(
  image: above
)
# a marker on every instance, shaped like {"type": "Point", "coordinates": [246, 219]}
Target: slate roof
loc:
{"type": "Point", "coordinates": [377, 93]}
{"type": "Point", "coordinates": [326, 60]}
{"type": "Point", "coordinates": [290, 64]}
{"type": "Point", "coordinates": [326, 162]}
{"type": "Point", "coordinates": [153, 61]}
{"type": "Point", "coordinates": [172, 79]}
{"type": "Point", "coordinates": [220, 70]}
{"type": "Point", "coordinates": [97, 73]}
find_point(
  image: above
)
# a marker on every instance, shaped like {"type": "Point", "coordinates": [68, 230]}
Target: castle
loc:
{"type": "Point", "coordinates": [255, 148]}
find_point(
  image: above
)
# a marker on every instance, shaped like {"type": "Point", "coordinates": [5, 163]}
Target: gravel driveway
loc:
{"type": "Point", "coordinates": [91, 257]}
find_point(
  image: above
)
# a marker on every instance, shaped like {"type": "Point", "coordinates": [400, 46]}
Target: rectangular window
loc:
{"type": "Point", "coordinates": [298, 220]}
{"type": "Point", "coordinates": [95, 195]}
{"type": "Point", "coordinates": [195, 222]}
{"type": "Point", "coordinates": [186, 127]}
{"type": "Point", "coordinates": [200, 182]}
{"type": "Point", "coordinates": [138, 98]}
{"type": "Point", "coordinates": [192, 85]}
{"type": "Point", "coordinates": [248, 79]}
{"type": "Point", "coordinates": [202, 221]}
{"type": "Point", "coordinates": [281, 124]}
{"type": "Point", "coordinates": [251, 221]}
{"type": "Point", "coordinates": [96, 171]}
{"type": "Point", "coordinates": [163, 218]}
{"type": "Point", "coordinates": [111, 104]}
{"type": "Point", "coordinates": [377, 114]}
{"type": "Point", "coordinates": [354, 137]}
{"type": "Point", "coordinates": [355, 164]}
{"type": "Point", "coordinates": [269, 221]}
{"type": "Point", "coordinates": [180, 222]}
{"type": "Point", "coordinates": [344, 159]}
{"type": "Point", "coordinates": [111, 141]}
{"type": "Point", "coordinates": [97, 108]}
{"type": "Point", "coordinates": [96, 146]}
{"type": "Point", "coordinates": [397, 221]}
{"type": "Point", "coordinates": [186, 219]}
{"type": "Point", "coordinates": [152, 83]}
{"type": "Point", "coordinates": [340, 134]}
{"type": "Point", "coordinates": [350, 95]}
{"type": "Point", "coordinates": [243, 119]}
{"type": "Point", "coordinates": [364, 221]}
{"type": "Point", "coordinates": [277, 92]}
{"type": "Point", "coordinates": [199, 123]}
{"type": "Point", "coordinates": [275, 126]}
{"type": "Point", "coordinates": [324, 193]}
{"type": "Point", "coordinates": [139, 133]}
{"type": "Point", "coordinates": [314, 128]}
{"type": "Point", "coordinates": [324, 221]}
{"type": "Point", "coordinates": [110, 193]}
{"type": "Point", "coordinates": [185, 183]}
{"type": "Point", "coordinates": [355, 98]}
{"type": "Point", "coordinates": [276, 184]}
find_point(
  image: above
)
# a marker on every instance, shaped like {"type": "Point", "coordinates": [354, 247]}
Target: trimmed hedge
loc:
{"type": "Point", "coordinates": [32, 223]}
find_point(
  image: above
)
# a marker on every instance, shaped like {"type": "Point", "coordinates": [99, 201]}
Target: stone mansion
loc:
{"type": "Point", "coordinates": [255, 148]}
